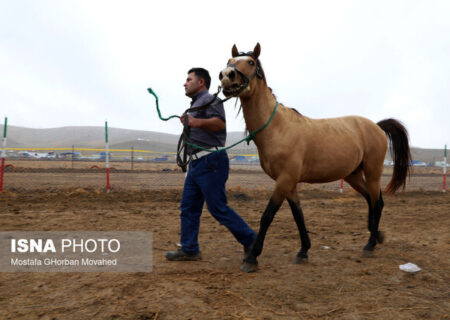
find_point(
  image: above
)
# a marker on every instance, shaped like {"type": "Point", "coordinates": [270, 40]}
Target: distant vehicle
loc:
{"type": "Point", "coordinates": [24, 154]}
{"type": "Point", "coordinates": [416, 163]}
{"type": "Point", "coordinates": [38, 155]}
{"type": "Point", "coordinates": [241, 158]}
{"type": "Point", "coordinates": [440, 164]}
{"type": "Point", "coordinates": [51, 155]}
{"type": "Point", "coordinates": [69, 155]}
{"type": "Point", "coordinates": [161, 159]}
{"type": "Point", "coordinates": [103, 155]}
{"type": "Point", "coordinates": [95, 157]}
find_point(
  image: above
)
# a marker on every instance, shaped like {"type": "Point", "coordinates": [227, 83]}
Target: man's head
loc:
{"type": "Point", "coordinates": [198, 80]}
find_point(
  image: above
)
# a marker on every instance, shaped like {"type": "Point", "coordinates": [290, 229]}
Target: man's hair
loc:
{"type": "Point", "coordinates": [203, 74]}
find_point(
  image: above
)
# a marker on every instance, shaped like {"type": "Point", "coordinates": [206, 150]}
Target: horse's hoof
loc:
{"type": "Point", "coordinates": [249, 267]}
{"type": "Point", "coordinates": [381, 237]}
{"type": "Point", "coordinates": [367, 253]}
{"type": "Point", "coordinates": [300, 260]}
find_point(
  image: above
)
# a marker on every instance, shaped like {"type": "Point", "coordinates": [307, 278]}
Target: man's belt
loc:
{"type": "Point", "coordinates": [200, 154]}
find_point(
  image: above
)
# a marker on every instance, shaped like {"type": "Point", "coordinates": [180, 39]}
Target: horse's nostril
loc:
{"type": "Point", "coordinates": [231, 75]}
{"type": "Point", "coordinates": [220, 76]}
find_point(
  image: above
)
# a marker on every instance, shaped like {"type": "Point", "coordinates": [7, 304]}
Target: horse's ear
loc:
{"type": "Point", "coordinates": [234, 51]}
{"type": "Point", "coordinates": [257, 51]}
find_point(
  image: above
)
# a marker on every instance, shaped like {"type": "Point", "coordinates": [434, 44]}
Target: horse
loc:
{"type": "Point", "coordinates": [294, 148]}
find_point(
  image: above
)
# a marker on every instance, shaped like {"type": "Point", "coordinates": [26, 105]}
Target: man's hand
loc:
{"type": "Point", "coordinates": [192, 122]}
{"type": "Point", "coordinates": [211, 124]}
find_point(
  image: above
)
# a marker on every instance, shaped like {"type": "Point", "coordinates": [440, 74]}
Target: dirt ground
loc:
{"type": "Point", "coordinates": [336, 283]}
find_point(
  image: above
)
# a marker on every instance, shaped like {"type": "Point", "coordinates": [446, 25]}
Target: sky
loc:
{"type": "Point", "coordinates": [80, 63]}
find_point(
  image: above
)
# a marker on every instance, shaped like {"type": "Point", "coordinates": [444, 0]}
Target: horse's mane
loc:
{"type": "Point", "coordinates": [265, 81]}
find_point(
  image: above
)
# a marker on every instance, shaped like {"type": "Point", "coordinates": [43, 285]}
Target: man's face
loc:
{"type": "Point", "coordinates": [192, 85]}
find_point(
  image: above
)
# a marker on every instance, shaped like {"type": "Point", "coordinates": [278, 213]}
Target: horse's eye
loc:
{"type": "Point", "coordinates": [251, 62]}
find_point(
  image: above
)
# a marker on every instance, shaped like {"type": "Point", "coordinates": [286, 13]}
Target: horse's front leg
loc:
{"type": "Point", "coordinates": [277, 198]}
{"type": "Point", "coordinates": [297, 213]}
{"type": "Point", "coordinates": [250, 261]}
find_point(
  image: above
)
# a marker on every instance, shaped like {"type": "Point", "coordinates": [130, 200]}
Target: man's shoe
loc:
{"type": "Point", "coordinates": [180, 255]}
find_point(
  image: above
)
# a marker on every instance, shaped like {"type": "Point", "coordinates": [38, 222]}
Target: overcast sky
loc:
{"type": "Point", "coordinates": [79, 63]}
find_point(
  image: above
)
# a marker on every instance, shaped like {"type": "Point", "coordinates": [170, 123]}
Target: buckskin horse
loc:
{"type": "Point", "coordinates": [293, 148]}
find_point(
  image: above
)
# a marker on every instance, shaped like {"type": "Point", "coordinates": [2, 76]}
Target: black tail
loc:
{"type": "Point", "coordinates": [400, 152]}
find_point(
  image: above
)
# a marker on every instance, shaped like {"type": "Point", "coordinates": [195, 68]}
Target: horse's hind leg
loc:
{"type": "Point", "coordinates": [376, 217]}
{"type": "Point", "coordinates": [297, 212]}
{"type": "Point", "coordinates": [375, 208]}
{"type": "Point", "coordinates": [375, 204]}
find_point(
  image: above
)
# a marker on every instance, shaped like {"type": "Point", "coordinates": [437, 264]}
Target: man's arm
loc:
{"type": "Point", "coordinates": [211, 124]}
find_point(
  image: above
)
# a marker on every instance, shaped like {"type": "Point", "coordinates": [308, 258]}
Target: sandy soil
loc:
{"type": "Point", "coordinates": [336, 283]}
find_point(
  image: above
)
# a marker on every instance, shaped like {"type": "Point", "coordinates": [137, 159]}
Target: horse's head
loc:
{"type": "Point", "coordinates": [240, 72]}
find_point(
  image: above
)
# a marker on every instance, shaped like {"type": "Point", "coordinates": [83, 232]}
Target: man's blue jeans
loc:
{"type": "Point", "coordinates": [206, 180]}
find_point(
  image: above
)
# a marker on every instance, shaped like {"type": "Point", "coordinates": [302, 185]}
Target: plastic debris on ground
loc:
{"type": "Point", "coordinates": [409, 267]}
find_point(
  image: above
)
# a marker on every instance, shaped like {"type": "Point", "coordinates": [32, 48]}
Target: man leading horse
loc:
{"type": "Point", "coordinates": [208, 171]}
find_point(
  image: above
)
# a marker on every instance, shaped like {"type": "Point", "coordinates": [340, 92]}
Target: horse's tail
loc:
{"type": "Point", "coordinates": [400, 152]}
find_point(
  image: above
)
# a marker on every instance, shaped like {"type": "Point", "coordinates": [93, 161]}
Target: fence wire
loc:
{"type": "Point", "coordinates": [77, 167]}
{"type": "Point", "coordinates": [138, 168]}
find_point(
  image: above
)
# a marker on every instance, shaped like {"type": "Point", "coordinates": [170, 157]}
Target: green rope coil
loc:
{"type": "Point", "coordinates": [247, 139]}
{"type": "Point", "coordinates": [150, 90]}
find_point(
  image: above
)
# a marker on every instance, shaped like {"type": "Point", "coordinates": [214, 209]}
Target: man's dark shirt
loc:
{"type": "Point", "coordinates": [205, 138]}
